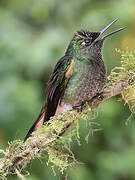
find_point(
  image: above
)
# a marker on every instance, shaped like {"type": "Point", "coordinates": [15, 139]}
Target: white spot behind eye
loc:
{"type": "Point", "coordinates": [83, 43]}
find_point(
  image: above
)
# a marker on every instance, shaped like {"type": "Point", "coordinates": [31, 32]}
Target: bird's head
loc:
{"type": "Point", "coordinates": [85, 42]}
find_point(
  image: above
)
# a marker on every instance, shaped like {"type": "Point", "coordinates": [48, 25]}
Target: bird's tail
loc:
{"type": "Point", "coordinates": [37, 124]}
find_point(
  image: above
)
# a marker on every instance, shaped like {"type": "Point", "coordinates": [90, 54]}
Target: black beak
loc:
{"type": "Point", "coordinates": [111, 33]}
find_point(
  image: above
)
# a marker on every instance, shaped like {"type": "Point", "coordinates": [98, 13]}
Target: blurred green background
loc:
{"type": "Point", "coordinates": [34, 34]}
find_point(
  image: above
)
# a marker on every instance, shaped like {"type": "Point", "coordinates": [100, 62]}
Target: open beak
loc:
{"type": "Point", "coordinates": [111, 33]}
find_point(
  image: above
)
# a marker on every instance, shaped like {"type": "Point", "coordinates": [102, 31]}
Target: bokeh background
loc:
{"type": "Point", "coordinates": [34, 34]}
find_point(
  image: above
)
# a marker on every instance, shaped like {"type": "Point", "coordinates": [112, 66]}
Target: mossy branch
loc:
{"type": "Point", "coordinates": [50, 138]}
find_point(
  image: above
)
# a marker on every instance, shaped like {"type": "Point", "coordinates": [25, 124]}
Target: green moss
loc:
{"type": "Point", "coordinates": [125, 72]}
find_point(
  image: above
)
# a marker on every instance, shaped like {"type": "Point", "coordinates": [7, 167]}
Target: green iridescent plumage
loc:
{"type": "Point", "coordinates": [77, 77]}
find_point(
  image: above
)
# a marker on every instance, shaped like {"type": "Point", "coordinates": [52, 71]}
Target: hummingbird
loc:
{"type": "Point", "coordinates": [78, 76]}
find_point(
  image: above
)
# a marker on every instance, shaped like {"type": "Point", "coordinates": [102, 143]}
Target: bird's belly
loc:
{"type": "Point", "coordinates": [83, 88]}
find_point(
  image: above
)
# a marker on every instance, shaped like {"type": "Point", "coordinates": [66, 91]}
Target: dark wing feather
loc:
{"type": "Point", "coordinates": [56, 86]}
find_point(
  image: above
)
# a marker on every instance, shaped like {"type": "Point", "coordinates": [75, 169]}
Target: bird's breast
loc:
{"type": "Point", "coordinates": [86, 82]}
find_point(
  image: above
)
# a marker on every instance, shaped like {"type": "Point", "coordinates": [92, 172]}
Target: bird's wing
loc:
{"type": "Point", "coordinates": [57, 84]}
{"type": "Point", "coordinates": [61, 73]}
{"type": "Point", "coordinates": [55, 88]}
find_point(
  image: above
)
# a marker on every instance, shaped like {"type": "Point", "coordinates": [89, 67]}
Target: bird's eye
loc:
{"type": "Point", "coordinates": [86, 42]}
